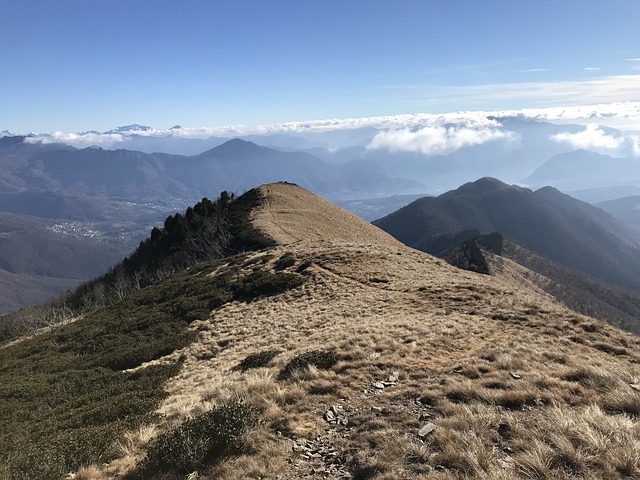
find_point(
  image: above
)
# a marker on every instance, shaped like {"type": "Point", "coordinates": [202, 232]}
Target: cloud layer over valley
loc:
{"type": "Point", "coordinates": [437, 140]}
{"type": "Point", "coordinates": [424, 133]}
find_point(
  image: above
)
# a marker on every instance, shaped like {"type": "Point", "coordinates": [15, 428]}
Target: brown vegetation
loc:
{"type": "Point", "coordinates": [515, 385]}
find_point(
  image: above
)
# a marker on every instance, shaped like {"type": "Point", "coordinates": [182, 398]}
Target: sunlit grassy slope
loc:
{"type": "Point", "coordinates": [440, 373]}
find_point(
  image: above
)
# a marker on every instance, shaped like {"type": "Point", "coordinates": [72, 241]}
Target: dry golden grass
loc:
{"type": "Point", "coordinates": [516, 385]}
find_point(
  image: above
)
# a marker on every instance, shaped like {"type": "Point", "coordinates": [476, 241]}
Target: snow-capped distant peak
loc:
{"type": "Point", "coordinates": [7, 133]}
{"type": "Point", "coordinates": [133, 128]}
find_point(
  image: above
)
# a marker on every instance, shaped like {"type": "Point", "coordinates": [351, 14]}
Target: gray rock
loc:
{"type": "Point", "coordinates": [426, 429]}
{"type": "Point", "coordinates": [379, 385]}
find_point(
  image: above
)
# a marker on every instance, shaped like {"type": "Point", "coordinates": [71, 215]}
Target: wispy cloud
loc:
{"type": "Point", "coordinates": [533, 70]}
{"type": "Point", "coordinates": [436, 140]}
{"type": "Point", "coordinates": [619, 88]}
{"type": "Point", "coordinates": [592, 69]}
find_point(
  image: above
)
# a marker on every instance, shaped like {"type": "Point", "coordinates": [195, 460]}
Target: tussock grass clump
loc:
{"type": "Point", "coordinates": [322, 359]}
{"type": "Point", "coordinates": [518, 399]}
{"type": "Point", "coordinates": [611, 349]}
{"type": "Point", "coordinates": [256, 360]}
{"type": "Point", "coordinates": [303, 266]}
{"type": "Point", "coordinates": [619, 401]}
{"type": "Point", "coordinates": [199, 442]}
{"type": "Point", "coordinates": [596, 379]}
{"type": "Point", "coordinates": [285, 261]}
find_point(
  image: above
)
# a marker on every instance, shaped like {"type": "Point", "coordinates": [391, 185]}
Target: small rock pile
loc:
{"type": "Point", "coordinates": [378, 386]}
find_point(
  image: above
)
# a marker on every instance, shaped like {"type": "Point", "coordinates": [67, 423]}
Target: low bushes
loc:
{"type": "Point", "coordinates": [256, 360]}
{"type": "Point", "coordinates": [200, 442]}
{"type": "Point", "coordinates": [323, 359]}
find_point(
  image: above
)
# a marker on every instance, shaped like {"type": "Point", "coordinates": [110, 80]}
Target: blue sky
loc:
{"type": "Point", "coordinates": [93, 65]}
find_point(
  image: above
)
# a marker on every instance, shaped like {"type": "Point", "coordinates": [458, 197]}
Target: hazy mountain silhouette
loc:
{"type": "Point", "coordinates": [235, 165]}
{"type": "Point", "coordinates": [626, 209]}
{"type": "Point", "coordinates": [584, 169]}
{"type": "Point", "coordinates": [604, 194]}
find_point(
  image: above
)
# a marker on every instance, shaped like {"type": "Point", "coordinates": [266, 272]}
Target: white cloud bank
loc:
{"type": "Point", "coordinates": [436, 140]}
{"type": "Point", "coordinates": [621, 115]}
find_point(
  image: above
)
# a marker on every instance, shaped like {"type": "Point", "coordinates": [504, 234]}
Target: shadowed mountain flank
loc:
{"type": "Point", "coordinates": [548, 222]}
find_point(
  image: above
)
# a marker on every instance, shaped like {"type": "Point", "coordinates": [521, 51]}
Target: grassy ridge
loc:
{"type": "Point", "coordinates": [66, 395]}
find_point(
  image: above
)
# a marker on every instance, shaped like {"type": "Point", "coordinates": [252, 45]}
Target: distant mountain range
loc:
{"type": "Point", "coordinates": [514, 148]}
{"type": "Point", "coordinates": [235, 165]}
{"type": "Point", "coordinates": [122, 192]}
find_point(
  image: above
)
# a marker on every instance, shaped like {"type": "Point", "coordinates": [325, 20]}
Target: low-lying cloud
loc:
{"type": "Point", "coordinates": [591, 138]}
{"type": "Point", "coordinates": [440, 131]}
{"type": "Point", "coordinates": [595, 138]}
{"type": "Point", "coordinates": [88, 138]}
{"type": "Point", "coordinates": [436, 140]}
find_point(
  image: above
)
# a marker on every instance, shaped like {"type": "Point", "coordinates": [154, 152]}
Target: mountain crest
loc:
{"type": "Point", "coordinates": [236, 148]}
{"type": "Point", "coordinates": [291, 214]}
{"type": "Point", "coordinates": [484, 185]}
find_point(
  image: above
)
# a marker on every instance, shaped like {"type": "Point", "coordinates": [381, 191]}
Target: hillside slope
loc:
{"type": "Point", "coordinates": [424, 370]}
{"type": "Point", "coordinates": [552, 224]}
{"type": "Point", "coordinates": [38, 262]}
{"type": "Point", "coordinates": [495, 254]}
{"type": "Point", "coordinates": [580, 292]}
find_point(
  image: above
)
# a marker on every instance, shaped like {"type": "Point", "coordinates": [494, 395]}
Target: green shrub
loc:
{"type": "Point", "coordinates": [261, 282]}
{"type": "Point", "coordinates": [323, 359]}
{"type": "Point", "coordinates": [256, 360]}
{"type": "Point", "coordinates": [200, 442]}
